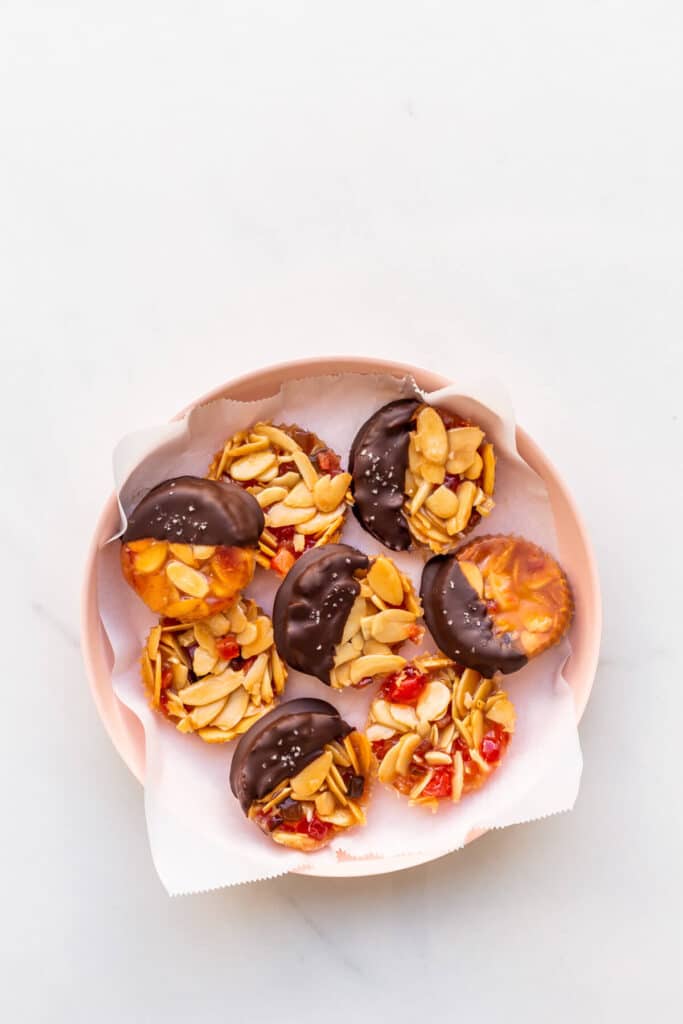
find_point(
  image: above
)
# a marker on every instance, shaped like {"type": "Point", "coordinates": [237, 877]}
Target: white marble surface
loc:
{"type": "Point", "coordinates": [188, 191]}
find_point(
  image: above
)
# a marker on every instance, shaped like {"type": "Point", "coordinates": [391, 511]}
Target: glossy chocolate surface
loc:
{"type": "Point", "coordinates": [459, 622]}
{"type": "Point", "coordinates": [282, 743]}
{"type": "Point", "coordinates": [312, 606]}
{"type": "Point", "coordinates": [192, 510]}
{"type": "Point", "coordinates": [378, 463]}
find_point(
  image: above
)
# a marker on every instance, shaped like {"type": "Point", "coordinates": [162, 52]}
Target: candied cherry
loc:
{"type": "Point", "coordinates": [492, 745]}
{"type": "Point", "coordinates": [441, 783]}
{"type": "Point", "coordinates": [404, 687]}
{"type": "Point", "coordinates": [227, 647]}
{"type": "Point", "coordinates": [328, 462]}
{"type": "Point", "coordinates": [315, 828]}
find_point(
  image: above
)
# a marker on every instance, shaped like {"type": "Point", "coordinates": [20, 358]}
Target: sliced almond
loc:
{"type": "Point", "coordinates": [330, 491]}
{"type": "Point", "coordinates": [437, 757]}
{"type": "Point", "coordinates": [380, 712]}
{"type": "Point", "coordinates": [309, 780]}
{"type": "Point", "coordinates": [277, 671]}
{"type": "Point", "coordinates": [466, 492]}
{"type": "Point", "coordinates": [300, 497]}
{"type": "Point", "coordinates": [321, 522]}
{"type": "Point", "coordinates": [184, 552]}
{"type": "Point", "coordinates": [431, 438]}
{"type": "Point", "coordinates": [252, 466]}
{"type": "Point", "coordinates": [325, 803]}
{"type": "Point", "coordinates": [421, 494]}
{"type": "Point", "coordinates": [503, 712]}
{"type": "Point", "coordinates": [284, 515]}
{"type": "Point", "coordinates": [462, 446]}
{"type": "Point", "coordinates": [277, 437]}
{"type": "Point", "coordinates": [467, 684]}
{"type": "Point", "coordinates": [247, 635]}
{"type": "Point", "coordinates": [489, 460]}
{"type": "Point", "coordinates": [219, 624]}
{"type": "Point", "coordinates": [374, 665]}
{"type": "Point", "coordinates": [353, 620]}
{"type": "Point", "coordinates": [443, 502]}
{"type": "Point", "coordinates": [377, 732]}
{"type": "Point", "coordinates": [289, 479]}
{"type": "Point", "coordinates": [384, 579]}
{"type": "Point", "coordinates": [407, 745]}
{"type": "Point", "coordinates": [477, 726]}
{"type": "Point", "coordinates": [433, 473]}
{"type": "Point", "coordinates": [188, 580]}
{"type": "Point", "coordinates": [263, 640]}
{"type": "Point", "coordinates": [153, 642]}
{"type": "Point", "coordinates": [270, 495]}
{"type": "Point", "coordinates": [404, 714]}
{"type": "Point", "coordinates": [474, 470]}
{"type": "Point", "coordinates": [211, 689]}
{"type": "Point", "coordinates": [306, 468]}
{"type": "Point", "coordinates": [203, 662]}
{"type": "Point", "coordinates": [472, 574]}
{"type": "Point", "coordinates": [458, 777]}
{"type": "Point", "coordinates": [373, 646]}
{"type": "Point", "coordinates": [151, 559]}
{"type": "Point", "coordinates": [387, 769]}
{"type": "Point", "coordinates": [238, 618]}
{"type": "Point", "coordinates": [393, 626]}
{"type": "Point", "coordinates": [204, 715]}
{"type": "Point", "coordinates": [204, 636]}
{"type": "Point", "coordinates": [434, 701]}
{"type": "Point", "coordinates": [344, 653]}
{"type": "Point", "coordinates": [234, 710]}
{"type": "Point", "coordinates": [254, 676]}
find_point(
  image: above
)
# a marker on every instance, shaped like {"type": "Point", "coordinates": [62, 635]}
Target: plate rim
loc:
{"type": "Point", "coordinates": [124, 728]}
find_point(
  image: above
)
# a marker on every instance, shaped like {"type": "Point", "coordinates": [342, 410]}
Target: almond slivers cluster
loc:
{"type": "Point", "coordinates": [326, 797]}
{"type": "Point", "coordinates": [382, 618]}
{"type": "Point", "coordinates": [186, 581]}
{"type": "Point", "coordinates": [449, 481]}
{"type": "Point", "coordinates": [439, 731]}
{"type": "Point", "coordinates": [304, 497]}
{"type": "Point", "coordinates": [216, 677]}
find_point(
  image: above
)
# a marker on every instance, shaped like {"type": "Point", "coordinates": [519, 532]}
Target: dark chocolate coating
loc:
{"type": "Point", "coordinates": [459, 622]}
{"type": "Point", "coordinates": [192, 510]}
{"type": "Point", "coordinates": [378, 463]}
{"type": "Point", "coordinates": [282, 743]}
{"type": "Point", "coordinates": [312, 606]}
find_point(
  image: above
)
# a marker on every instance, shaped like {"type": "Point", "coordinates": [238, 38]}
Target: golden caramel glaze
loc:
{"type": "Point", "coordinates": [186, 581]}
{"type": "Point", "coordinates": [525, 591]}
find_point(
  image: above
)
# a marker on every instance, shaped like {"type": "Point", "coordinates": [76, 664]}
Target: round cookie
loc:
{"type": "Point", "coordinates": [298, 482]}
{"type": "Point", "coordinates": [217, 676]}
{"type": "Point", "coordinates": [438, 731]}
{"type": "Point", "coordinates": [420, 475]}
{"type": "Point", "coordinates": [497, 602]}
{"type": "Point", "coordinates": [189, 547]}
{"type": "Point", "coordinates": [303, 774]}
{"type": "Point", "coordinates": [342, 616]}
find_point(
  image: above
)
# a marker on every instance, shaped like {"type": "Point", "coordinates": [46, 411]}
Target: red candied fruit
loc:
{"type": "Point", "coordinates": [493, 744]}
{"type": "Point", "coordinates": [315, 828]}
{"type": "Point", "coordinates": [328, 462]}
{"type": "Point", "coordinates": [227, 646]}
{"type": "Point", "coordinates": [441, 783]}
{"type": "Point", "coordinates": [166, 678]}
{"type": "Point", "coordinates": [380, 747]}
{"type": "Point", "coordinates": [404, 687]}
{"type": "Point", "coordinates": [451, 481]}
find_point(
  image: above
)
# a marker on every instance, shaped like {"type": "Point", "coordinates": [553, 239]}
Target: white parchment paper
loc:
{"type": "Point", "coordinates": [198, 835]}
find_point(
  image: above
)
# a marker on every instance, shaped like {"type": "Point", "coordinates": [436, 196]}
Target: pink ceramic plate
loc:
{"type": "Point", "coordinates": [575, 554]}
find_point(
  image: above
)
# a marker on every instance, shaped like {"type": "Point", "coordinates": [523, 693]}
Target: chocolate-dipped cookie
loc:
{"type": "Point", "coordinates": [216, 677]}
{"type": "Point", "coordinates": [438, 731]}
{"type": "Point", "coordinates": [302, 774]}
{"type": "Point", "coordinates": [497, 602]}
{"type": "Point", "coordinates": [190, 546]}
{"type": "Point", "coordinates": [341, 616]}
{"type": "Point", "coordinates": [420, 475]}
{"type": "Point", "coordinates": [298, 482]}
